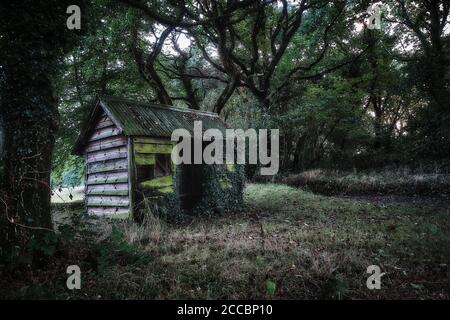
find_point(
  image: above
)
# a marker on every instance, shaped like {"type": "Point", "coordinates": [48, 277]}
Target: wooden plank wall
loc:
{"type": "Point", "coordinates": [107, 189]}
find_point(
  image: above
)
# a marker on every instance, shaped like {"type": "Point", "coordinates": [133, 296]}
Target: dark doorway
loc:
{"type": "Point", "coordinates": [191, 182]}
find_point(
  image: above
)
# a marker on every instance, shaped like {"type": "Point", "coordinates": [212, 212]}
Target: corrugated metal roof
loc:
{"type": "Point", "coordinates": [145, 119]}
{"type": "Point", "coordinates": [137, 118]}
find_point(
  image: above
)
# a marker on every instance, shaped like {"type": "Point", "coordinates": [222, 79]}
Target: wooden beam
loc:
{"type": "Point", "coordinates": [143, 159]}
{"type": "Point", "coordinates": [107, 143]}
{"type": "Point", "coordinates": [104, 133]}
{"type": "Point", "coordinates": [109, 154]}
{"type": "Point", "coordinates": [107, 210]}
{"type": "Point", "coordinates": [105, 166]}
{"type": "Point", "coordinates": [152, 140]}
{"type": "Point", "coordinates": [152, 148]}
{"type": "Point", "coordinates": [107, 201]}
{"type": "Point", "coordinates": [131, 176]}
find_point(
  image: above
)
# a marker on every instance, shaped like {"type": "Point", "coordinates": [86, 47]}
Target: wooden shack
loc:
{"type": "Point", "coordinates": [127, 146]}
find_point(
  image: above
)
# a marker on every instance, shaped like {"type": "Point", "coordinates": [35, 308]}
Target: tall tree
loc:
{"type": "Point", "coordinates": [428, 21]}
{"type": "Point", "coordinates": [34, 38]}
{"type": "Point", "coordinates": [424, 25]}
{"type": "Point", "coordinates": [246, 41]}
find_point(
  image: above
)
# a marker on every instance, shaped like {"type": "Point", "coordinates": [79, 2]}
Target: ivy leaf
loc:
{"type": "Point", "coordinates": [271, 287]}
{"type": "Point", "coordinates": [417, 286]}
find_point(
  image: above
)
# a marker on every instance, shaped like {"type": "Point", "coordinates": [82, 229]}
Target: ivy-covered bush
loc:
{"type": "Point", "coordinates": [222, 190]}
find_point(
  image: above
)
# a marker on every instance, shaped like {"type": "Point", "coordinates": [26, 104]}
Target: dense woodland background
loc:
{"type": "Point", "coordinates": [344, 96]}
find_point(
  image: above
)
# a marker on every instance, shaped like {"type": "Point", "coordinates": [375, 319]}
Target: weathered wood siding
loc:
{"type": "Point", "coordinates": [107, 189]}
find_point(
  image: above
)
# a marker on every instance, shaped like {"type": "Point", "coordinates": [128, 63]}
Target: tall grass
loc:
{"type": "Point", "coordinates": [402, 181]}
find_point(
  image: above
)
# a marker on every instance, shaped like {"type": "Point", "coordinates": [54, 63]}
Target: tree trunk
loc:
{"type": "Point", "coordinates": [378, 125]}
{"type": "Point", "coordinates": [30, 125]}
{"type": "Point", "coordinates": [27, 163]}
{"type": "Point", "coordinates": [298, 153]}
{"type": "Point", "coordinates": [33, 40]}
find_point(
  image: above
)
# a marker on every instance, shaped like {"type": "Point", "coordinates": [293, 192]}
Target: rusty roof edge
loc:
{"type": "Point", "coordinates": [160, 106]}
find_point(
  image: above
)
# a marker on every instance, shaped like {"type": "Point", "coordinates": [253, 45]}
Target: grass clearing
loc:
{"type": "Point", "coordinates": [286, 244]}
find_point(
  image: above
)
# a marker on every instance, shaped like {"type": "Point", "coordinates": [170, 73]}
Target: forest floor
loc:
{"type": "Point", "coordinates": [286, 244]}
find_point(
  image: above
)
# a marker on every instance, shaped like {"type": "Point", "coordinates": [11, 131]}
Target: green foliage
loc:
{"type": "Point", "coordinates": [70, 178]}
{"type": "Point", "coordinates": [326, 125]}
{"type": "Point", "coordinates": [37, 249]}
{"type": "Point", "coordinates": [271, 287]}
{"type": "Point", "coordinates": [117, 251]}
{"type": "Point", "coordinates": [101, 64]}
{"type": "Point", "coordinates": [326, 118]}
{"type": "Point", "coordinates": [42, 247]}
{"type": "Point", "coordinates": [69, 174]}
{"type": "Point", "coordinates": [222, 189]}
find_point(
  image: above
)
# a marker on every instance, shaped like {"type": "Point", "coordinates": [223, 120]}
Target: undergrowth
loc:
{"type": "Point", "coordinates": [286, 244]}
{"type": "Point", "coordinates": [387, 182]}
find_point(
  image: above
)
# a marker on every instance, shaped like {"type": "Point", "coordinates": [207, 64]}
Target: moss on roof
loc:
{"type": "Point", "coordinates": [135, 118]}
